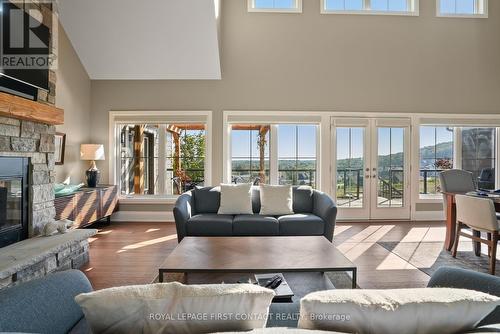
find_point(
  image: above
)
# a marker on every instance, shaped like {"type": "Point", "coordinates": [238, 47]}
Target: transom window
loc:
{"type": "Point", "coordinates": [398, 7]}
{"type": "Point", "coordinates": [462, 8]}
{"type": "Point", "coordinates": [274, 154]}
{"type": "Point", "coordinates": [283, 6]}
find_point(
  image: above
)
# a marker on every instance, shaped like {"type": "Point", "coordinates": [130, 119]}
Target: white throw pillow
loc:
{"type": "Point", "coordinates": [235, 199]}
{"type": "Point", "coordinates": [276, 200]}
{"type": "Point", "coordinates": [419, 311]}
{"type": "Point", "coordinates": [176, 308]}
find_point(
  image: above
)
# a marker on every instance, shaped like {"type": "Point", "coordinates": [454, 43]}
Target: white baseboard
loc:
{"type": "Point", "coordinates": [142, 216]}
{"type": "Point", "coordinates": [428, 215]}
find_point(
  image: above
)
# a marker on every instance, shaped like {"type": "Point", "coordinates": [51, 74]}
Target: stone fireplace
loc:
{"type": "Point", "coordinates": [27, 132]}
{"type": "Point", "coordinates": [35, 141]}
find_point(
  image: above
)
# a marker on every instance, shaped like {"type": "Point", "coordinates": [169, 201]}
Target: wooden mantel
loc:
{"type": "Point", "coordinates": [17, 107]}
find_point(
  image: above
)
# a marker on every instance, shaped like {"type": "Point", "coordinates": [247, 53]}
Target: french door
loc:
{"type": "Point", "coordinates": [371, 167]}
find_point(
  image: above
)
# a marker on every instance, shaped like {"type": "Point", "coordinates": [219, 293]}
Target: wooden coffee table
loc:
{"type": "Point", "coordinates": [256, 255]}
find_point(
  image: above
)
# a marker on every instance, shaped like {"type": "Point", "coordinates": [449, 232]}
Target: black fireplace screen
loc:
{"type": "Point", "coordinates": [11, 203]}
{"type": "Point", "coordinates": [13, 200]}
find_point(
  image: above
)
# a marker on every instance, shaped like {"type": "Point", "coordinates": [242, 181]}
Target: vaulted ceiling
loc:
{"type": "Point", "coordinates": [145, 39]}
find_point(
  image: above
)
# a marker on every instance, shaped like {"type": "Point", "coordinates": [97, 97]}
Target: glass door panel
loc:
{"type": "Point", "coordinates": [390, 168]}
{"type": "Point", "coordinates": [350, 165]}
{"type": "Point", "coordinates": [352, 162]}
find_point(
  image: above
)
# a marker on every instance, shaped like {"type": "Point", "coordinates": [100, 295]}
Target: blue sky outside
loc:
{"type": "Point", "coordinates": [275, 4]}
{"type": "Point", "coordinates": [293, 141]}
{"type": "Point", "coordinates": [446, 6]}
{"type": "Point", "coordinates": [376, 5]}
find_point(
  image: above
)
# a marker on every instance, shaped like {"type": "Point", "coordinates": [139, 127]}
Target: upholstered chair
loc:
{"type": "Point", "coordinates": [456, 181]}
{"type": "Point", "coordinates": [478, 214]}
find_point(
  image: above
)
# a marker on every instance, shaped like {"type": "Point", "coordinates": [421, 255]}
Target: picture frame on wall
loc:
{"type": "Point", "coordinates": [60, 146]}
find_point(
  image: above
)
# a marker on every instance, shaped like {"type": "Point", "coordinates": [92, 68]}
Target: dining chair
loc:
{"type": "Point", "coordinates": [478, 214]}
{"type": "Point", "coordinates": [456, 181]}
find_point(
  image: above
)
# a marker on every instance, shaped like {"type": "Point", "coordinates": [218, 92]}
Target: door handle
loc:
{"type": "Point", "coordinates": [367, 176]}
{"type": "Point", "coordinates": [374, 175]}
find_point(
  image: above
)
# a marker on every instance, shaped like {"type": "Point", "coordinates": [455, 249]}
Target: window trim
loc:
{"type": "Point", "coordinates": [411, 3]}
{"type": "Point", "coordinates": [296, 10]}
{"type": "Point", "coordinates": [161, 117]}
{"type": "Point", "coordinates": [281, 117]}
{"type": "Point", "coordinates": [483, 15]}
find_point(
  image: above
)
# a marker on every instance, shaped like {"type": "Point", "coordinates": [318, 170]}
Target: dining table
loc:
{"type": "Point", "coordinates": [451, 216]}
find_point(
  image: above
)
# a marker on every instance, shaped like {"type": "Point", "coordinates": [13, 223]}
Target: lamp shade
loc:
{"type": "Point", "coordinates": [92, 152]}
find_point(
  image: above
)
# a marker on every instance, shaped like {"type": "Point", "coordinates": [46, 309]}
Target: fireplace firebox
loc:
{"type": "Point", "coordinates": [13, 200]}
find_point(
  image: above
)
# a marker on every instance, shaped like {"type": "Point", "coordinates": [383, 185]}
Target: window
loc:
{"type": "Point", "coordinates": [291, 160]}
{"type": "Point", "coordinates": [297, 154]}
{"type": "Point", "coordinates": [250, 154]}
{"type": "Point", "coordinates": [160, 159]}
{"type": "Point", "coordinates": [478, 155]}
{"type": "Point", "coordinates": [396, 7]}
{"type": "Point", "coordinates": [436, 155]}
{"type": "Point", "coordinates": [280, 6]}
{"type": "Point", "coordinates": [462, 8]}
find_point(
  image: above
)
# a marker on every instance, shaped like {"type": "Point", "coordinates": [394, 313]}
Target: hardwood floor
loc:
{"type": "Point", "coordinates": [129, 252]}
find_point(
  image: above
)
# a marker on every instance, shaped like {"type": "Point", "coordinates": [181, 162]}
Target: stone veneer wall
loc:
{"type": "Point", "coordinates": [37, 142]}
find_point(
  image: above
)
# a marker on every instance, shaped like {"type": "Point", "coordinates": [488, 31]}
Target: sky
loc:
{"type": "Point", "coordinates": [447, 6]}
{"type": "Point", "coordinates": [293, 141]}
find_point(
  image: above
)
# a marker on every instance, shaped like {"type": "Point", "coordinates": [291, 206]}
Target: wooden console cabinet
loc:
{"type": "Point", "coordinates": [87, 205]}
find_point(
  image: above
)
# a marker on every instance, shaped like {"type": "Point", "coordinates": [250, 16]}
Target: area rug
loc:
{"type": "Point", "coordinates": [429, 256]}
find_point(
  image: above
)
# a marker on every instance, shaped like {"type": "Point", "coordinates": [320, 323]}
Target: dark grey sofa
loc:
{"type": "Point", "coordinates": [195, 214]}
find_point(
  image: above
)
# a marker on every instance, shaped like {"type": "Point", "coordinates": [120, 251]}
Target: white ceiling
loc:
{"type": "Point", "coordinates": [144, 39]}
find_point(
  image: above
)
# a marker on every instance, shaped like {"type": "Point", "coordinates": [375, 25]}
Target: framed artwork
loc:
{"type": "Point", "coordinates": [60, 146]}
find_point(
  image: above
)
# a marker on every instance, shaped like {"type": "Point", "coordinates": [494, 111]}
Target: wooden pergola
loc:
{"type": "Point", "coordinates": [139, 134]}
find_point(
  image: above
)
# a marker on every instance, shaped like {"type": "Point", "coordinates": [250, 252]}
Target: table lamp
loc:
{"type": "Point", "coordinates": [92, 152]}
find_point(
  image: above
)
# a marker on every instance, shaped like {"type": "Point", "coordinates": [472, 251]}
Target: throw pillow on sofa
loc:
{"type": "Point", "coordinates": [235, 199]}
{"type": "Point", "coordinates": [276, 200]}
{"type": "Point", "coordinates": [424, 311]}
{"type": "Point", "coordinates": [176, 308]}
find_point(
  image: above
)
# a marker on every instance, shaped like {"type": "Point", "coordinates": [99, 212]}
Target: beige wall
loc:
{"type": "Point", "coordinates": [73, 95]}
{"type": "Point", "coordinates": [319, 62]}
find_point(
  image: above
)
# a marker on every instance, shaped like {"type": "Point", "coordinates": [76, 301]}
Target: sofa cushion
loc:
{"type": "Point", "coordinates": [176, 308]}
{"type": "Point", "coordinates": [206, 200]}
{"type": "Point", "coordinates": [235, 199]}
{"type": "Point", "coordinates": [424, 311]}
{"type": "Point", "coordinates": [207, 224]}
{"type": "Point", "coordinates": [276, 200]}
{"type": "Point", "coordinates": [255, 225]}
{"type": "Point", "coordinates": [303, 199]}
{"type": "Point", "coordinates": [301, 224]}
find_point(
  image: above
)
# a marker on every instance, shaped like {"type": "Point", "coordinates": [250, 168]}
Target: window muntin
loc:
{"type": "Point", "coordinates": [297, 155]}
{"type": "Point", "coordinates": [143, 145]}
{"type": "Point", "coordinates": [436, 155]}
{"type": "Point", "coordinates": [461, 8]}
{"type": "Point", "coordinates": [294, 157]}
{"type": "Point", "coordinates": [478, 155]}
{"type": "Point", "coordinates": [284, 6]}
{"type": "Point", "coordinates": [399, 7]}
